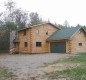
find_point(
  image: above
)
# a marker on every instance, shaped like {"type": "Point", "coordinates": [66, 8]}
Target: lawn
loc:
{"type": "Point", "coordinates": [72, 68]}
{"type": "Point", "coordinates": [71, 73]}
{"type": "Point", "coordinates": [6, 75]}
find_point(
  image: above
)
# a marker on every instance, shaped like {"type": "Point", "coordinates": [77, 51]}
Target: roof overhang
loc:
{"type": "Point", "coordinates": [38, 25]}
{"type": "Point", "coordinates": [57, 40]}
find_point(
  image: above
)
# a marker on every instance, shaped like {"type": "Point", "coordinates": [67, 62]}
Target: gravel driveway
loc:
{"type": "Point", "coordinates": [26, 65]}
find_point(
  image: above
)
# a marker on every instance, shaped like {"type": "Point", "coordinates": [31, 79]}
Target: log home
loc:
{"type": "Point", "coordinates": [48, 38]}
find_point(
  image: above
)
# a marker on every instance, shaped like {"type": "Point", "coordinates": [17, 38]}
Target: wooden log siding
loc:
{"type": "Point", "coordinates": [76, 39]}
{"type": "Point", "coordinates": [30, 40]}
{"type": "Point", "coordinates": [70, 46]}
{"type": "Point", "coordinates": [32, 37]}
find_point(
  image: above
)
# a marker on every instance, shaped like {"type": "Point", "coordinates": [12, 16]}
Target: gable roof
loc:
{"type": "Point", "coordinates": [39, 25]}
{"type": "Point", "coordinates": [64, 33]}
{"type": "Point", "coordinates": [84, 28]}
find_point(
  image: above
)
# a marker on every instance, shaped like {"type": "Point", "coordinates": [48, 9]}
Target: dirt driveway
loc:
{"type": "Point", "coordinates": [27, 65]}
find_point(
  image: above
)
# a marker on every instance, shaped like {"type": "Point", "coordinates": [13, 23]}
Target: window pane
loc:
{"type": "Point", "coordinates": [25, 44]}
{"type": "Point", "coordinates": [80, 44]}
{"type": "Point", "coordinates": [38, 44]}
{"type": "Point", "coordinates": [47, 33]}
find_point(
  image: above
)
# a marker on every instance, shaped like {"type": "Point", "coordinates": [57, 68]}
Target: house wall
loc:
{"type": "Point", "coordinates": [79, 37]}
{"type": "Point", "coordinates": [68, 46]}
{"type": "Point", "coordinates": [33, 35]}
{"type": "Point", "coordinates": [24, 38]}
{"type": "Point", "coordinates": [41, 37]}
{"type": "Point", "coordinates": [72, 45]}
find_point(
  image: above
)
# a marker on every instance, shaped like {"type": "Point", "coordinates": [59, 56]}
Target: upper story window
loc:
{"type": "Point", "coordinates": [37, 31]}
{"type": "Point", "coordinates": [24, 32]}
{"type": "Point", "coordinates": [80, 44]}
{"type": "Point", "coordinates": [80, 31]}
{"type": "Point", "coordinates": [47, 33]}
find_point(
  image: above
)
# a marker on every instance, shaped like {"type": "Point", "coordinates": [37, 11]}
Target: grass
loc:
{"type": "Point", "coordinates": [73, 73]}
{"type": "Point", "coordinates": [6, 75]}
{"type": "Point", "coordinates": [78, 73]}
{"type": "Point", "coordinates": [79, 58]}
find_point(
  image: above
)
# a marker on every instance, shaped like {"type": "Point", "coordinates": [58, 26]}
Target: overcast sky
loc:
{"type": "Point", "coordinates": [74, 11]}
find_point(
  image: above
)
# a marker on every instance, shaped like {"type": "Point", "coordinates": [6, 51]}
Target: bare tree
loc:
{"type": "Point", "coordinates": [10, 7]}
{"type": "Point", "coordinates": [15, 15]}
{"type": "Point", "coordinates": [21, 18]}
{"type": "Point", "coordinates": [1, 22]}
{"type": "Point", "coordinates": [18, 17]}
{"type": "Point", "coordinates": [35, 19]}
{"type": "Point", "coordinates": [66, 24]}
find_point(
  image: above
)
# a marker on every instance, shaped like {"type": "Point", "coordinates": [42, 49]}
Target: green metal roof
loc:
{"type": "Point", "coordinates": [63, 33]}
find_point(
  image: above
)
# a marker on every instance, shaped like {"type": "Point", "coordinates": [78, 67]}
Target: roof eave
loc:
{"type": "Point", "coordinates": [57, 39]}
{"type": "Point", "coordinates": [77, 31]}
{"type": "Point", "coordinates": [39, 25]}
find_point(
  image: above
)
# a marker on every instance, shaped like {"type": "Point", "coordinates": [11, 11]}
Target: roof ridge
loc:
{"type": "Point", "coordinates": [39, 25]}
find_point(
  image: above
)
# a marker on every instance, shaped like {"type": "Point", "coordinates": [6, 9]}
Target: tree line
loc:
{"type": "Point", "coordinates": [14, 18]}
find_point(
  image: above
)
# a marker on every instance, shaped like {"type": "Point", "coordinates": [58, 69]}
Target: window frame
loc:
{"type": "Point", "coordinates": [80, 44]}
{"type": "Point", "coordinates": [25, 44]}
{"type": "Point", "coordinates": [38, 44]}
{"type": "Point", "coordinates": [47, 33]}
{"type": "Point", "coordinates": [80, 31]}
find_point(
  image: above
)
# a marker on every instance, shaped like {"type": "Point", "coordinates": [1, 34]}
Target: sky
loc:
{"type": "Point", "coordinates": [74, 11]}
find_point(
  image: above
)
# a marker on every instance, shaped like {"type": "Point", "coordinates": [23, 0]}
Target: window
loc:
{"type": "Point", "coordinates": [24, 32]}
{"type": "Point", "coordinates": [47, 33]}
{"type": "Point", "coordinates": [80, 31]}
{"type": "Point", "coordinates": [25, 44]}
{"type": "Point", "coordinates": [37, 31]}
{"type": "Point", "coordinates": [80, 44]}
{"type": "Point", "coordinates": [38, 44]}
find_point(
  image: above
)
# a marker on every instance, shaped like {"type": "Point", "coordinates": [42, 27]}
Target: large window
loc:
{"type": "Point", "coordinates": [38, 44]}
{"type": "Point", "coordinates": [24, 32]}
{"type": "Point", "coordinates": [25, 44]}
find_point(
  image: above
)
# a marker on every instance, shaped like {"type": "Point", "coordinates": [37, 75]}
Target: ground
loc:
{"type": "Point", "coordinates": [72, 68]}
{"type": "Point", "coordinates": [29, 66]}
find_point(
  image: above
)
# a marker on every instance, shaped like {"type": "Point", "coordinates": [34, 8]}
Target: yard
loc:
{"type": "Point", "coordinates": [43, 67]}
{"type": "Point", "coordinates": [6, 75]}
{"type": "Point", "coordinates": [27, 66]}
{"type": "Point", "coordinates": [73, 68]}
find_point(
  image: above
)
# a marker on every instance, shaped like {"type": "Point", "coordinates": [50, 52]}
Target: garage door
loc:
{"type": "Point", "coordinates": [58, 47]}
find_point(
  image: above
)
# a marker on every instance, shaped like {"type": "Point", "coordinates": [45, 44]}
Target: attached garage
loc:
{"type": "Point", "coordinates": [58, 47]}
{"type": "Point", "coordinates": [71, 40]}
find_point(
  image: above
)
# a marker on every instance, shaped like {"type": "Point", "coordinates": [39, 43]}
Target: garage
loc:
{"type": "Point", "coordinates": [58, 47]}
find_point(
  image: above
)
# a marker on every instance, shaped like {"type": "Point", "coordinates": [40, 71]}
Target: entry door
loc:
{"type": "Point", "coordinates": [58, 47]}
